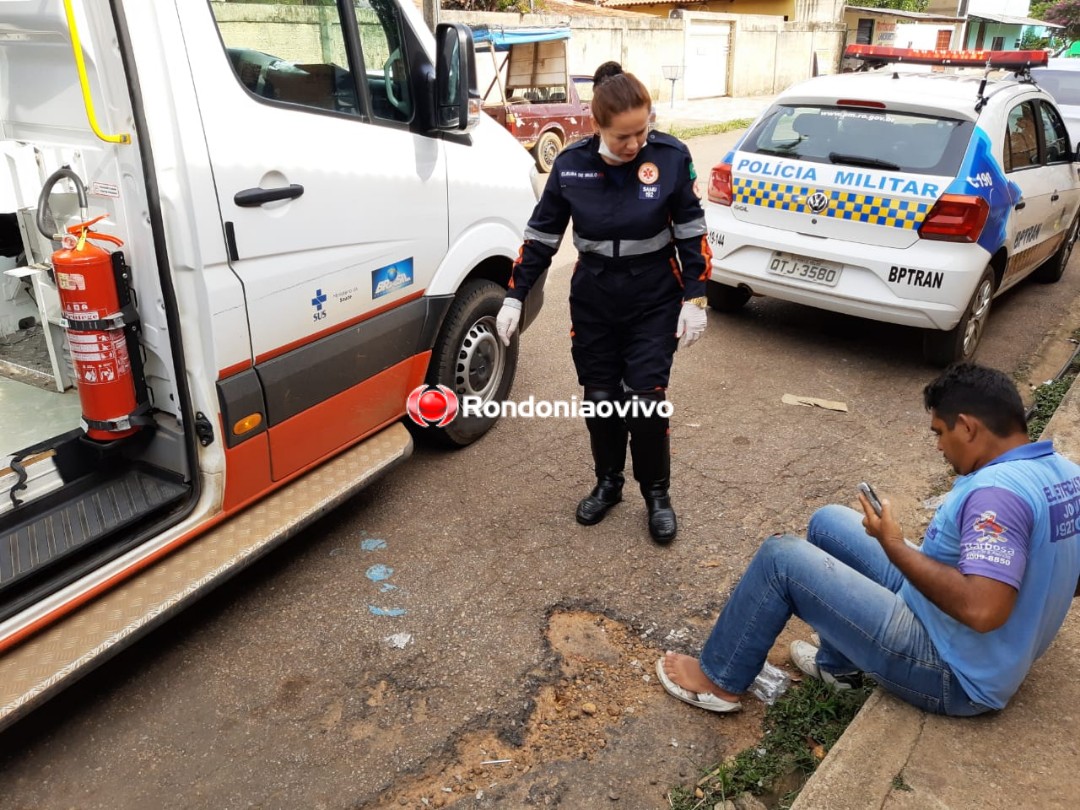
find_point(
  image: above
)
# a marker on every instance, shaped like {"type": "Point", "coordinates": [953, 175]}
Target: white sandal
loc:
{"type": "Point", "coordinates": [703, 700]}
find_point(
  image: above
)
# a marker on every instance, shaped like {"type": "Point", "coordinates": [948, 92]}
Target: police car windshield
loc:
{"type": "Point", "coordinates": [895, 141]}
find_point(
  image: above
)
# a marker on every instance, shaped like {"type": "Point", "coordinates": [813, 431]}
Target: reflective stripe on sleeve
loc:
{"type": "Point", "coordinates": [552, 240]}
{"type": "Point", "coordinates": [688, 230]}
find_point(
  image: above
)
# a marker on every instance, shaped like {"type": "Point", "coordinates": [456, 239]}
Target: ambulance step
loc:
{"type": "Point", "coordinates": [75, 644]}
{"type": "Point", "coordinates": [48, 534]}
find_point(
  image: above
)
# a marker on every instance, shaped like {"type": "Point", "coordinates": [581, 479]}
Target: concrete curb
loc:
{"type": "Point", "coordinates": [1025, 756]}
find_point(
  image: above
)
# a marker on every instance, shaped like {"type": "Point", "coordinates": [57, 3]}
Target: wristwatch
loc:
{"type": "Point", "coordinates": [700, 301]}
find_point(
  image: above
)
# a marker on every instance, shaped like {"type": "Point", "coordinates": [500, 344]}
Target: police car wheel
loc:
{"type": "Point", "coordinates": [724, 298]}
{"type": "Point", "coordinates": [546, 150]}
{"type": "Point", "coordinates": [959, 343]}
{"type": "Point", "coordinates": [1052, 270]}
{"type": "Point", "coordinates": [470, 360]}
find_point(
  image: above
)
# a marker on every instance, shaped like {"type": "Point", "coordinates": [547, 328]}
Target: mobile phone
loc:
{"type": "Point", "coordinates": [875, 502]}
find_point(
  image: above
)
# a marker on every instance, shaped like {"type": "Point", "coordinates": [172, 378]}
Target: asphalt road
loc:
{"type": "Point", "coordinates": [525, 637]}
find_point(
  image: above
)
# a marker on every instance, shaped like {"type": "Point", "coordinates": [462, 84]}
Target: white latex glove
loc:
{"type": "Point", "coordinates": [691, 324]}
{"type": "Point", "coordinates": [506, 322]}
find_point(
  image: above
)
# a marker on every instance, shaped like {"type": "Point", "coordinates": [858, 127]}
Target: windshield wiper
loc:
{"type": "Point", "coordinates": [859, 160]}
{"type": "Point", "coordinates": [780, 152]}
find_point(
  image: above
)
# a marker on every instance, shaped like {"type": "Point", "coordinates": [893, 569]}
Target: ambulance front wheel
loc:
{"type": "Point", "coordinates": [941, 348]}
{"type": "Point", "coordinates": [470, 360]}
{"type": "Point", "coordinates": [724, 298]}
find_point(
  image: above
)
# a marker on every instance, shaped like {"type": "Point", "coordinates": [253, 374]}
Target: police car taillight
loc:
{"type": "Point", "coordinates": [955, 218]}
{"type": "Point", "coordinates": [1013, 60]}
{"type": "Point", "coordinates": [720, 184]}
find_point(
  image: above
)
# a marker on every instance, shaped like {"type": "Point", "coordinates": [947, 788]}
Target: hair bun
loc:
{"type": "Point", "coordinates": [605, 72]}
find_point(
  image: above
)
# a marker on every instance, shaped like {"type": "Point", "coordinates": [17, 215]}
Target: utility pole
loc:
{"type": "Point", "coordinates": [431, 14]}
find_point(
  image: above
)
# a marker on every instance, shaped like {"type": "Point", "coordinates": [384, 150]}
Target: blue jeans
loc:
{"type": "Point", "coordinates": [840, 582]}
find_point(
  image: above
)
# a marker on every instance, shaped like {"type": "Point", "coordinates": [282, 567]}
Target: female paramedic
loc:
{"type": "Point", "coordinates": [637, 289]}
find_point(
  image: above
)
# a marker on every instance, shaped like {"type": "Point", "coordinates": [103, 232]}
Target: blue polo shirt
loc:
{"type": "Point", "coordinates": [1015, 520]}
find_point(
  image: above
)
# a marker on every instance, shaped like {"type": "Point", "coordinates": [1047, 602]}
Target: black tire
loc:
{"type": "Point", "coordinates": [723, 298]}
{"type": "Point", "coordinates": [469, 359]}
{"type": "Point", "coordinates": [941, 348]}
{"type": "Point", "coordinates": [1052, 269]}
{"type": "Point", "coordinates": [546, 150]}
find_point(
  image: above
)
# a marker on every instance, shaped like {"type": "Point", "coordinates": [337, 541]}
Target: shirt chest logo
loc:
{"type": "Point", "coordinates": [648, 174]}
{"type": "Point", "coordinates": [649, 193]}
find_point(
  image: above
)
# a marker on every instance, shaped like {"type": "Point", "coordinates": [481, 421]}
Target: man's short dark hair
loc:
{"type": "Point", "coordinates": [985, 393]}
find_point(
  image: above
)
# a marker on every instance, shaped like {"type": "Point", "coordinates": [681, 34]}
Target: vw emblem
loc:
{"type": "Point", "coordinates": [817, 202]}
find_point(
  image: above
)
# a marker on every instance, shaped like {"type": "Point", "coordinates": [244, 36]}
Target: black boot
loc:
{"type": "Point", "coordinates": [651, 449]}
{"type": "Point", "coordinates": [607, 435]}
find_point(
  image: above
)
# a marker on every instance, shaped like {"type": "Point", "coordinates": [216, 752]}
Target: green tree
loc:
{"type": "Point", "coordinates": [521, 6]}
{"type": "Point", "coordinates": [1065, 13]}
{"type": "Point", "coordinates": [899, 5]}
{"type": "Point", "coordinates": [1039, 7]}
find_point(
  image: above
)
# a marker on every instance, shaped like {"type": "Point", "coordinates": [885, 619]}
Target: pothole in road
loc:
{"type": "Point", "coordinates": [606, 676]}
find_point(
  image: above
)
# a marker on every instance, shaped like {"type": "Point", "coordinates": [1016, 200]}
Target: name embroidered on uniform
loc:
{"type": "Point", "coordinates": [573, 174]}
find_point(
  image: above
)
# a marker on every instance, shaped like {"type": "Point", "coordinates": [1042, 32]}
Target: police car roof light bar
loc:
{"type": "Point", "coordinates": [1008, 60]}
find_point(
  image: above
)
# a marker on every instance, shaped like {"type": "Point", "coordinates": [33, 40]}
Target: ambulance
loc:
{"type": "Point", "coordinates": [235, 239]}
{"type": "Point", "coordinates": [911, 192]}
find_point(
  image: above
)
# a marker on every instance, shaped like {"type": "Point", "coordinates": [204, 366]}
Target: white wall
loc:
{"type": "Point", "coordinates": [1014, 8]}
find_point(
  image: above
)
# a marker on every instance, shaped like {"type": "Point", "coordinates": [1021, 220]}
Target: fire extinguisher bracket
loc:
{"type": "Point", "coordinates": [136, 419]}
{"type": "Point", "coordinates": [117, 321]}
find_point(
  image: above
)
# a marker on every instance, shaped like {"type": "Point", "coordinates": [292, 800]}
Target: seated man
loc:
{"type": "Point", "coordinates": [952, 627]}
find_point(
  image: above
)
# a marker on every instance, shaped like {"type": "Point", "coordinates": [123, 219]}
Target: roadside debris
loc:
{"type": "Point", "coordinates": [398, 640]}
{"type": "Point", "coordinates": [814, 402]}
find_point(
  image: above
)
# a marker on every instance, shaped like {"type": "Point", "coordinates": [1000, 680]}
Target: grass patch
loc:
{"type": "Point", "coordinates": [799, 729]}
{"type": "Point", "coordinates": [683, 133]}
{"type": "Point", "coordinates": [898, 783]}
{"type": "Point", "coordinates": [1047, 398]}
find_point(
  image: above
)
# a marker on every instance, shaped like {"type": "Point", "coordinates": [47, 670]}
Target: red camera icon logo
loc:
{"type": "Point", "coordinates": [432, 405]}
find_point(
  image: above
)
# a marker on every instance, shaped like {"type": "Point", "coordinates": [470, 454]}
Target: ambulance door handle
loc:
{"type": "Point", "coordinates": [1020, 206]}
{"type": "Point", "coordinates": [254, 197]}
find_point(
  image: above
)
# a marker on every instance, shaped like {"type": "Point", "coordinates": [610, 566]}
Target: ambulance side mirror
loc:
{"type": "Point", "coordinates": [1076, 154]}
{"type": "Point", "coordinates": [457, 102]}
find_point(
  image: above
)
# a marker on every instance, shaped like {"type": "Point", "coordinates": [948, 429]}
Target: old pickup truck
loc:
{"type": "Point", "coordinates": [532, 94]}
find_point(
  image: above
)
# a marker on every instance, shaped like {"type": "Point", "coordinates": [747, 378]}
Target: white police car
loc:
{"type": "Point", "coordinates": [906, 196]}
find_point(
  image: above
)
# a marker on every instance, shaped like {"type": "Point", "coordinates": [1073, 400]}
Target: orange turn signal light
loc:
{"type": "Point", "coordinates": [247, 424]}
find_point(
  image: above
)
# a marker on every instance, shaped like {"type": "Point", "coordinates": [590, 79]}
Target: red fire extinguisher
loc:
{"type": "Point", "coordinates": [94, 324]}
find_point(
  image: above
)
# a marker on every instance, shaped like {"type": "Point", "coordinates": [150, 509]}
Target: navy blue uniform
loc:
{"type": "Point", "coordinates": [640, 234]}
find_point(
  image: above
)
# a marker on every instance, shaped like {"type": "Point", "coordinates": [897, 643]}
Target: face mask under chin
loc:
{"type": "Point", "coordinates": [607, 153]}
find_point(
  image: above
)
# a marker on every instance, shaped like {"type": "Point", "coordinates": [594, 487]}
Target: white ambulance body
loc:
{"type": "Point", "coordinates": [314, 222]}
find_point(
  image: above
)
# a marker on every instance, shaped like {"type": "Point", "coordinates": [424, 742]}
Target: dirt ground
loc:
{"type": "Point", "coordinates": [604, 678]}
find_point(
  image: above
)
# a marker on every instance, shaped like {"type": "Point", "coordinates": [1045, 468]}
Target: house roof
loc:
{"type": "Point", "coordinates": [591, 9]}
{"type": "Point", "coordinates": [628, 3]}
{"type": "Point", "coordinates": [1007, 19]}
{"type": "Point", "coordinates": [914, 16]}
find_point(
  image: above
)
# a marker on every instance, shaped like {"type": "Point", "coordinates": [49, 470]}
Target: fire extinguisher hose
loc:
{"type": "Point", "coordinates": [64, 172]}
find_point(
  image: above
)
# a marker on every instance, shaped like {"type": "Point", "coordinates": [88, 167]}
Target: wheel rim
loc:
{"type": "Point", "coordinates": [549, 151]}
{"type": "Point", "coordinates": [481, 360]}
{"type": "Point", "coordinates": [980, 308]}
